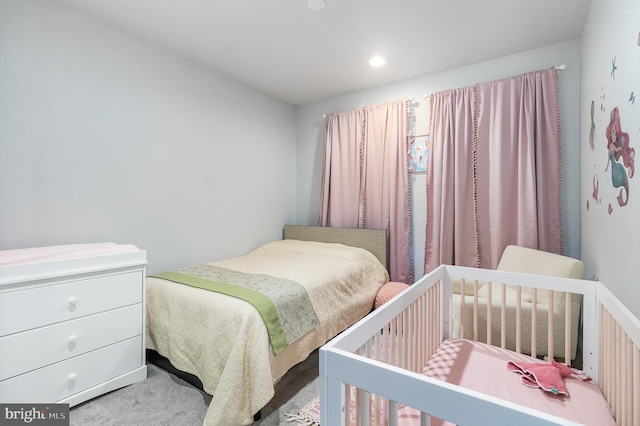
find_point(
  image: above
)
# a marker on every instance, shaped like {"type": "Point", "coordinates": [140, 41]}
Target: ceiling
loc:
{"type": "Point", "coordinates": [292, 53]}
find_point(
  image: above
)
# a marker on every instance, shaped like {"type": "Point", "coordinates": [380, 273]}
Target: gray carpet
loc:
{"type": "Point", "coordinates": [164, 399]}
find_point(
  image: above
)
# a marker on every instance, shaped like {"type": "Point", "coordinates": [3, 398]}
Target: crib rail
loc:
{"type": "Point", "coordinates": [381, 340]}
{"type": "Point", "coordinates": [526, 317]}
{"type": "Point", "coordinates": [619, 360]}
{"type": "Point", "coordinates": [403, 342]}
{"type": "Point", "coordinates": [368, 367]}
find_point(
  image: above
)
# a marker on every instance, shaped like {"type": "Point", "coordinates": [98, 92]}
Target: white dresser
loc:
{"type": "Point", "coordinates": [71, 324]}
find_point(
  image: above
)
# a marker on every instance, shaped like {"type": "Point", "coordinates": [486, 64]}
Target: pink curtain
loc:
{"type": "Point", "coordinates": [366, 178]}
{"type": "Point", "coordinates": [493, 177]}
{"type": "Point", "coordinates": [340, 198]}
{"type": "Point", "coordinates": [452, 236]}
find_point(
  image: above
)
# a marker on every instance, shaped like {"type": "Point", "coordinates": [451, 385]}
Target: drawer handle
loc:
{"type": "Point", "coordinates": [73, 302]}
{"type": "Point", "coordinates": [71, 384]}
{"type": "Point", "coordinates": [73, 340]}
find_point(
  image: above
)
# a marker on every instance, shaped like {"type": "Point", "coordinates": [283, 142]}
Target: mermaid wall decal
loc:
{"type": "Point", "coordinates": [618, 146]}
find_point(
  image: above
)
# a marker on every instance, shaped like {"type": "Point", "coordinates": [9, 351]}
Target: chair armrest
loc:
{"type": "Point", "coordinates": [532, 261]}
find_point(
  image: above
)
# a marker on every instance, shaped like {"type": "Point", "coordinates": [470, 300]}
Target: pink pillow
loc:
{"type": "Point", "coordinates": [388, 292]}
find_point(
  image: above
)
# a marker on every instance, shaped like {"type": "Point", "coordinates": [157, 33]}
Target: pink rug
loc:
{"type": "Point", "coordinates": [309, 415]}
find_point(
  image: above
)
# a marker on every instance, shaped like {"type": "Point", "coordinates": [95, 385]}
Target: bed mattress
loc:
{"type": "Point", "coordinates": [223, 340]}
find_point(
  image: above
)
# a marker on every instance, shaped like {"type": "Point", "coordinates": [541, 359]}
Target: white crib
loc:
{"type": "Point", "coordinates": [362, 384]}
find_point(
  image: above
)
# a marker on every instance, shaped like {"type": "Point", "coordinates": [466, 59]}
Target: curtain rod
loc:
{"type": "Point", "coordinates": [560, 67]}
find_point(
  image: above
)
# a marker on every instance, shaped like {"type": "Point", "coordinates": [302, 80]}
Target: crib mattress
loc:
{"type": "Point", "coordinates": [482, 367]}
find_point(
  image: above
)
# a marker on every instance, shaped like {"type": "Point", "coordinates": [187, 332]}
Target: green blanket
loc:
{"type": "Point", "coordinates": [283, 304]}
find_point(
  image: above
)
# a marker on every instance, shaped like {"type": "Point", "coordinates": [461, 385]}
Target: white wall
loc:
{"type": "Point", "coordinates": [105, 137]}
{"type": "Point", "coordinates": [611, 237]}
{"type": "Point", "coordinates": [310, 126]}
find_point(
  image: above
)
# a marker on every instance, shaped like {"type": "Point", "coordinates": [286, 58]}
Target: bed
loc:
{"type": "Point", "coordinates": [400, 365]}
{"type": "Point", "coordinates": [226, 342]}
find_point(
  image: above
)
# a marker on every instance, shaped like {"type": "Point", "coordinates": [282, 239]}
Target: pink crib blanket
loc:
{"type": "Point", "coordinates": [481, 367]}
{"type": "Point", "coordinates": [548, 376]}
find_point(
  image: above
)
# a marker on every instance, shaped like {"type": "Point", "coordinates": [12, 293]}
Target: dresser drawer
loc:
{"type": "Point", "coordinates": [59, 381]}
{"type": "Point", "coordinates": [22, 310]}
{"type": "Point", "coordinates": [23, 352]}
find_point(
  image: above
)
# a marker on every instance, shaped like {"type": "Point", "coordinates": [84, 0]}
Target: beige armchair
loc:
{"type": "Point", "coordinates": [529, 261]}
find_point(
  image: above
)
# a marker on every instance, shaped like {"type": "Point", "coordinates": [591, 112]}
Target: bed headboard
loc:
{"type": "Point", "coordinates": [373, 240]}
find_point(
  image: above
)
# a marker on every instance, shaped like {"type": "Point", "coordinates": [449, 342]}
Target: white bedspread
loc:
{"type": "Point", "coordinates": [223, 340]}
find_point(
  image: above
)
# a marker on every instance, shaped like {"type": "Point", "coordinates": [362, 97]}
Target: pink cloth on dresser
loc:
{"type": "Point", "coordinates": [62, 252]}
{"type": "Point", "coordinates": [481, 367]}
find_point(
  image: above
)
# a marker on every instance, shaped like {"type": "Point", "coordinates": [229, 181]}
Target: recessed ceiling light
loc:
{"type": "Point", "coordinates": [316, 4]}
{"type": "Point", "coordinates": [377, 61]}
